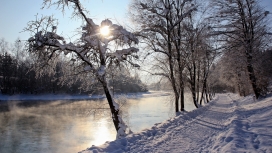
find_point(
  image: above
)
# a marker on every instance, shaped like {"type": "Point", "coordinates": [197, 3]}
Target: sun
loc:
{"type": "Point", "coordinates": [105, 30]}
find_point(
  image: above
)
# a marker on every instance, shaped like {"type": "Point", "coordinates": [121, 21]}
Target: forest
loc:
{"type": "Point", "coordinates": [19, 76]}
{"type": "Point", "coordinates": [198, 47]}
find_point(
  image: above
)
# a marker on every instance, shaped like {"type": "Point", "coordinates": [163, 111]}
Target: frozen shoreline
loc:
{"type": "Point", "coordinates": [50, 97]}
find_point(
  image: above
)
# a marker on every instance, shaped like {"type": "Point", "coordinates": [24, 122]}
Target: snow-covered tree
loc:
{"type": "Point", "coordinates": [199, 49]}
{"type": "Point", "coordinates": [159, 23]}
{"type": "Point", "coordinates": [178, 36]}
{"type": "Point", "coordinates": [243, 24]}
{"type": "Point", "coordinates": [93, 53]}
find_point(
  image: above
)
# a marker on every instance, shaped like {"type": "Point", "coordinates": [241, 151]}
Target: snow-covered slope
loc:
{"type": "Point", "coordinates": [227, 124]}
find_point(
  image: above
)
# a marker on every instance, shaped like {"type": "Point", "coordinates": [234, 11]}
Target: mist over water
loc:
{"type": "Point", "coordinates": [72, 126]}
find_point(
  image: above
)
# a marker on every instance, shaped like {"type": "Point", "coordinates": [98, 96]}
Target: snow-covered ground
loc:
{"type": "Point", "coordinates": [227, 124]}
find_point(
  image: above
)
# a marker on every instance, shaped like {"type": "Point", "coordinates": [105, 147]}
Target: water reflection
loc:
{"type": "Point", "coordinates": [71, 126]}
{"type": "Point", "coordinates": [103, 130]}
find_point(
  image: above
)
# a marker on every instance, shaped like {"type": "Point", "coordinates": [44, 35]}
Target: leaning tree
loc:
{"type": "Point", "coordinates": [93, 53]}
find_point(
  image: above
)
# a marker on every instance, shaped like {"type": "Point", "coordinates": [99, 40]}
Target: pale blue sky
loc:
{"type": "Point", "coordinates": [14, 15]}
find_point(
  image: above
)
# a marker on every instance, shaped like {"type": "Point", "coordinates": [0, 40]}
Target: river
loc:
{"type": "Point", "coordinates": [74, 125]}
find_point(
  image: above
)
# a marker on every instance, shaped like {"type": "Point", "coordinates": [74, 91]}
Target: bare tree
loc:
{"type": "Point", "coordinates": [159, 22]}
{"type": "Point", "coordinates": [243, 23]}
{"type": "Point", "coordinates": [200, 54]}
{"type": "Point", "coordinates": [92, 54]}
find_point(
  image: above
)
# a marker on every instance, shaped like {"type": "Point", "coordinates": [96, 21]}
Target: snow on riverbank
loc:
{"type": "Point", "coordinates": [22, 97]}
{"type": "Point", "coordinates": [50, 97]}
{"type": "Point", "coordinates": [227, 124]}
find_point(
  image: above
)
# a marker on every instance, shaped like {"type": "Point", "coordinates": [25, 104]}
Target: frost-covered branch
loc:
{"type": "Point", "coordinates": [92, 53]}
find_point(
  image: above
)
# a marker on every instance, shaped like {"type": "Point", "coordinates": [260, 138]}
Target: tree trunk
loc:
{"type": "Point", "coordinates": [210, 93]}
{"type": "Point", "coordinates": [202, 95]}
{"type": "Point", "coordinates": [181, 84]}
{"type": "Point", "coordinates": [171, 66]}
{"type": "Point", "coordinates": [206, 91]}
{"type": "Point", "coordinates": [173, 83]}
{"type": "Point", "coordinates": [119, 124]}
{"type": "Point", "coordinates": [194, 97]}
{"type": "Point", "coordinates": [182, 98]}
{"type": "Point", "coordinates": [198, 83]}
{"type": "Point", "coordinates": [252, 76]}
{"type": "Point", "coordinates": [176, 102]}
{"type": "Point", "coordinates": [114, 111]}
{"type": "Point", "coordinates": [194, 84]}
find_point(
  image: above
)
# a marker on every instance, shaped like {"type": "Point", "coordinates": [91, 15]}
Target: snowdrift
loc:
{"type": "Point", "coordinates": [227, 124]}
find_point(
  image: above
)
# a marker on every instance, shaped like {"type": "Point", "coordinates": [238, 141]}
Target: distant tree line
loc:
{"type": "Point", "coordinates": [19, 75]}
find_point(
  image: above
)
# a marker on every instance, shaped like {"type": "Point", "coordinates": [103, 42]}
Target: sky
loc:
{"type": "Point", "coordinates": [15, 14]}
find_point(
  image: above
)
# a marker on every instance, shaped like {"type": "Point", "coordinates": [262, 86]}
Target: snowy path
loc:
{"type": "Point", "coordinates": [227, 124]}
{"type": "Point", "coordinates": [201, 130]}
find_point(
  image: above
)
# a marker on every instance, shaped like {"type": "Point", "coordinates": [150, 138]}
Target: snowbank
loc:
{"type": "Point", "coordinates": [227, 124]}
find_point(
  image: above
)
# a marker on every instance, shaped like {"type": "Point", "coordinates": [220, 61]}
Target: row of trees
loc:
{"type": "Point", "coordinates": [243, 27]}
{"type": "Point", "coordinates": [190, 39]}
{"type": "Point", "coordinates": [20, 74]}
{"type": "Point", "coordinates": [179, 40]}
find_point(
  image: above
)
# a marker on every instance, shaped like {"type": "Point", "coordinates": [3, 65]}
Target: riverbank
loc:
{"type": "Point", "coordinates": [229, 123]}
{"type": "Point", "coordinates": [50, 97]}
{"type": "Point", "coordinates": [72, 125]}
